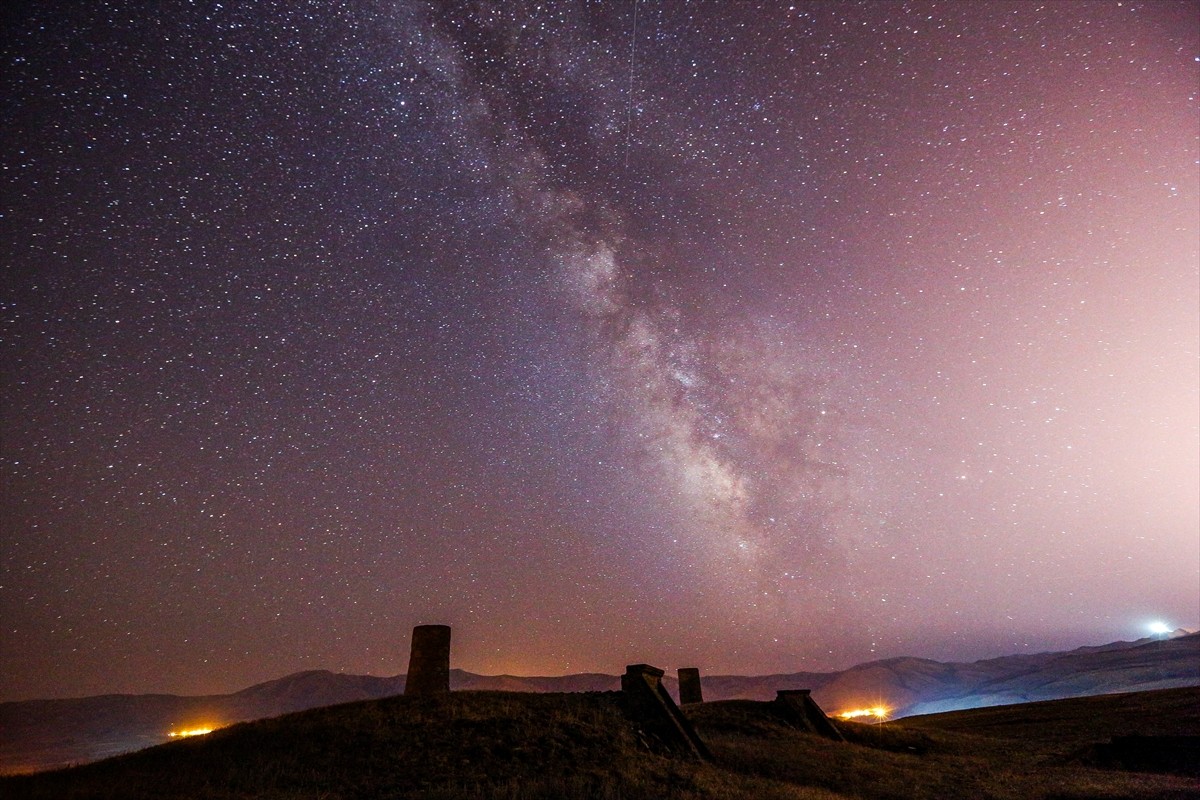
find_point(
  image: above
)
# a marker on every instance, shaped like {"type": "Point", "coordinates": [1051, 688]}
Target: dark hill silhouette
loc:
{"type": "Point", "coordinates": [571, 746]}
{"type": "Point", "coordinates": [39, 734]}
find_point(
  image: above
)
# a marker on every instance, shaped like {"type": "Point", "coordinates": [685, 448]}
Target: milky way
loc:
{"type": "Point", "coordinates": [749, 336]}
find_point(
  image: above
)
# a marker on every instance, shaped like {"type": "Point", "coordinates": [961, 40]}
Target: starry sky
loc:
{"type": "Point", "coordinates": [759, 337]}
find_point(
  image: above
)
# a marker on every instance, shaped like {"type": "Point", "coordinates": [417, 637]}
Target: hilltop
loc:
{"type": "Point", "coordinates": [41, 734]}
{"type": "Point", "coordinates": [585, 745]}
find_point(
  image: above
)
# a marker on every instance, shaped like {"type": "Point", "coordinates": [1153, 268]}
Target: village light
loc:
{"type": "Point", "coordinates": [189, 732]}
{"type": "Point", "coordinates": [879, 712]}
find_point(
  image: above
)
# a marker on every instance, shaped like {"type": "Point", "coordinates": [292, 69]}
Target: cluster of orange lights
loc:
{"type": "Point", "coordinates": [189, 732]}
{"type": "Point", "coordinates": [878, 712]}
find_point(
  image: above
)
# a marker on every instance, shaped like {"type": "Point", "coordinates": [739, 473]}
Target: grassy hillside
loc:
{"type": "Point", "coordinates": [530, 746]}
{"type": "Point", "coordinates": [1064, 726]}
{"type": "Point", "coordinates": [1025, 751]}
{"type": "Point", "coordinates": [45, 734]}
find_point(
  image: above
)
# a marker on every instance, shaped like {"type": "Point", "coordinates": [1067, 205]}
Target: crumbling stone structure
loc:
{"type": "Point", "coordinates": [655, 712]}
{"type": "Point", "coordinates": [689, 686]}
{"type": "Point", "coordinates": [798, 708]}
{"type": "Point", "coordinates": [429, 661]}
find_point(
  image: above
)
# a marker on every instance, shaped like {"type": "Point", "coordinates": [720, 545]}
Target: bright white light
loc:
{"type": "Point", "coordinates": [1159, 628]}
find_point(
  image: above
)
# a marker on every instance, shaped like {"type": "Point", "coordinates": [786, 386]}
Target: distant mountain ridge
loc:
{"type": "Point", "coordinates": [39, 734]}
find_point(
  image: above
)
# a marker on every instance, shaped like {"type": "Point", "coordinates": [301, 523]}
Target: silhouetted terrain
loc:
{"type": "Point", "coordinates": [41, 734]}
{"type": "Point", "coordinates": [570, 746]}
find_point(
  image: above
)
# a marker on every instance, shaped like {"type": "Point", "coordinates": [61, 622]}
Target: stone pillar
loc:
{"type": "Point", "coordinates": [689, 686]}
{"type": "Point", "coordinates": [429, 661]}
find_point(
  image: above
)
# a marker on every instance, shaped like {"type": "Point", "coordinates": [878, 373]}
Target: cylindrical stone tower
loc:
{"type": "Point", "coordinates": [689, 686]}
{"type": "Point", "coordinates": [429, 661]}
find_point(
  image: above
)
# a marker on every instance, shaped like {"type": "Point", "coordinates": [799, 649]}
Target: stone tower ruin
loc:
{"type": "Point", "coordinates": [648, 703]}
{"type": "Point", "coordinates": [429, 661]}
{"type": "Point", "coordinates": [798, 708]}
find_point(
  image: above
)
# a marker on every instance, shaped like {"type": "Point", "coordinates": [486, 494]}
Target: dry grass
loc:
{"type": "Point", "coordinates": [1008, 753]}
{"type": "Point", "coordinates": [508, 746]}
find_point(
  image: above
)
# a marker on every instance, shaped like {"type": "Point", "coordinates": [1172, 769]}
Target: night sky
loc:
{"type": "Point", "coordinates": [749, 336]}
